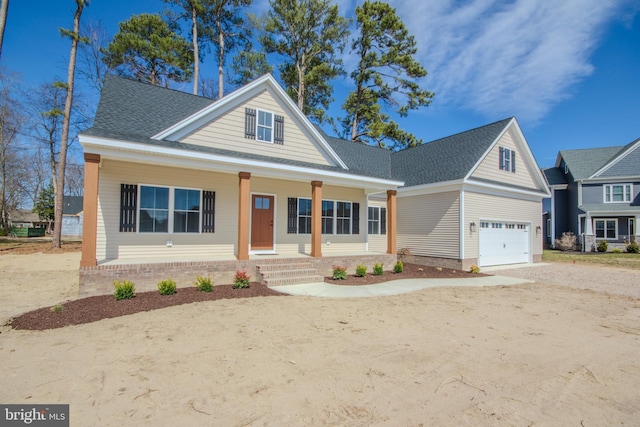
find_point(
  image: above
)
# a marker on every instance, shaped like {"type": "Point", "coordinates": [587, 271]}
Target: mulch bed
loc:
{"type": "Point", "coordinates": [411, 271]}
{"type": "Point", "coordinates": [92, 309]}
{"type": "Point", "coordinates": [100, 307]}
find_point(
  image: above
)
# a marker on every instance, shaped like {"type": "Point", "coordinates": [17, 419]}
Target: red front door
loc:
{"type": "Point", "coordinates": [261, 222]}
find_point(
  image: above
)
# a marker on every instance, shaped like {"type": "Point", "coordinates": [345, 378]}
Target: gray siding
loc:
{"type": "Point", "coordinates": [593, 194]}
{"type": "Point", "coordinates": [572, 208]}
{"type": "Point", "coordinates": [562, 221]}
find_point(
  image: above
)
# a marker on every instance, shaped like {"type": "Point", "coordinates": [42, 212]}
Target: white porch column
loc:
{"type": "Point", "coordinates": [589, 237]}
{"type": "Point", "coordinates": [588, 225]}
{"type": "Point", "coordinates": [637, 228]}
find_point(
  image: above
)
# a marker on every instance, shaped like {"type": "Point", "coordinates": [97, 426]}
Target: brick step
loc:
{"type": "Point", "coordinates": [294, 280]}
{"type": "Point", "coordinates": [289, 273]}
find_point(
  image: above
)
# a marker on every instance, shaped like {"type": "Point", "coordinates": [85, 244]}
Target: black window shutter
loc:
{"type": "Point", "coordinates": [278, 137]}
{"type": "Point", "coordinates": [292, 220]}
{"type": "Point", "coordinates": [383, 220]}
{"type": "Point", "coordinates": [501, 158]}
{"type": "Point", "coordinates": [355, 221]}
{"type": "Point", "coordinates": [250, 123]}
{"type": "Point", "coordinates": [208, 211]}
{"type": "Point", "coordinates": [513, 161]}
{"type": "Point", "coordinates": [128, 205]}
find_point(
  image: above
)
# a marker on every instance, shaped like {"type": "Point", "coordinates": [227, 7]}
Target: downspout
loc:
{"type": "Point", "coordinates": [462, 228]}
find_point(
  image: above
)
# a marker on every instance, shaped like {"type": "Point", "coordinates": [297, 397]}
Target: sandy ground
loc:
{"type": "Point", "coordinates": [527, 355]}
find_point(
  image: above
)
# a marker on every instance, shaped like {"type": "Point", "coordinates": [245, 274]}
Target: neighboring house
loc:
{"type": "Point", "coordinates": [595, 193]}
{"type": "Point", "coordinates": [25, 218]}
{"type": "Point", "coordinates": [72, 217]}
{"type": "Point", "coordinates": [177, 182]}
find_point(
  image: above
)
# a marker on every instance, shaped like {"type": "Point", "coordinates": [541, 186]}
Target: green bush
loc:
{"type": "Point", "coordinates": [167, 287]}
{"type": "Point", "coordinates": [603, 246]}
{"type": "Point", "coordinates": [339, 272]}
{"type": "Point", "coordinates": [57, 308]}
{"type": "Point", "coordinates": [616, 250]}
{"type": "Point", "coordinates": [124, 290]}
{"type": "Point", "coordinates": [378, 269]}
{"type": "Point", "coordinates": [241, 280]}
{"type": "Point", "coordinates": [474, 269]}
{"type": "Point", "coordinates": [204, 284]}
{"type": "Point", "coordinates": [361, 270]}
{"type": "Point", "coordinates": [633, 248]}
{"type": "Point", "coordinates": [398, 267]}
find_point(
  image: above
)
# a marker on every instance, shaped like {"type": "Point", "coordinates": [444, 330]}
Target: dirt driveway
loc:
{"type": "Point", "coordinates": [536, 354]}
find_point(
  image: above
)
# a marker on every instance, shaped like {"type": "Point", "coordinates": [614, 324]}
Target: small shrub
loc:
{"type": "Point", "coordinates": [603, 246]}
{"type": "Point", "coordinates": [204, 284]}
{"type": "Point", "coordinates": [361, 270]}
{"type": "Point", "coordinates": [339, 272]}
{"type": "Point", "coordinates": [57, 308]}
{"type": "Point", "coordinates": [398, 267]}
{"type": "Point", "coordinates": [616, 250]}
{"type": "Point", "coordinates": [241, 280]}
{"type": "Point", "coordinates": [167, 287]}
{"type": "Point", "coordinates": [378, 269]}
{"type": "Point", "coordinates": [567, 242]}
{"type": "Point", "coordinates": [633, 248]}
{"type": "Point", "coordinates": [474, 269]}
{"type": "Point", "coordinates": [124, 290]}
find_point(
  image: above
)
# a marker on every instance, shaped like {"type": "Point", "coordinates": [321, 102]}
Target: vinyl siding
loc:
{"type": "Point", "coordinates": [429, 225]}
{"type": "Point", "coordinates": [227, 132]}
{"type": "Point", "coordinates": [112, 244]}
{"type": "Point", "coordinates": [627, 166]}
{"type": "Point", "coordinates": [481, 207]}
{"type": "Point", "coordinates": [593, 194]}
{"type": "Point", "coordinates": [377, 242]}
{"type": "Point", "coordinates": [489, 169]}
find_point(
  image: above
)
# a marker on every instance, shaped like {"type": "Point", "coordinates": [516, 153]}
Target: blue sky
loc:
{"type": "Point", "coordinates": [569, 70]}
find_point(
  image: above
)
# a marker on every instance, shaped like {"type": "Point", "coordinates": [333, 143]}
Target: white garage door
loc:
{"type": "Point", "coordinates": [503, 243]}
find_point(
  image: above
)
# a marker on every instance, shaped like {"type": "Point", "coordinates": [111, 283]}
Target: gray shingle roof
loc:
{"type": "Point", "coordinates": [72, 205]}
{"type": "Point", "coordinates": [585, 162]}
{"type": "Point", "coordinates": [445, 159]}
{"type": "Point", "coordinates": [555, 176]}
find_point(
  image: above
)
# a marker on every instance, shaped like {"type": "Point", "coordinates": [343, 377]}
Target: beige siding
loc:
{"type": "Point", "coordinates": [300, 243]}
{"type": "Point", "coordinates": [377, 242]}
{"type": "Point", "coordinates": [479, 207]}
{"type": "Point", "coordinates": [429, 225]}
{"type": "Point", "coordinates": [112, 244]}
{"type": "Point", "coordinates": [227, 132]}
{"type": "Point", "coordinates": [490, 166]}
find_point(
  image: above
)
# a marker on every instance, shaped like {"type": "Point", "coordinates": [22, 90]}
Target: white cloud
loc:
{"type": "Point", "coordinates": [503, 58]}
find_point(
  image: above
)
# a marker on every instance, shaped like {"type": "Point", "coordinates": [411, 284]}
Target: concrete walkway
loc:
{"type": "Point", "coordinates": [393, 287]}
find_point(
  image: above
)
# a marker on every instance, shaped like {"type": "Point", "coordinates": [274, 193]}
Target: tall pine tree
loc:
{"type": "Point", "coordinates": [309, 34]}
{"type": "Point", "coordinates": [387, 76]}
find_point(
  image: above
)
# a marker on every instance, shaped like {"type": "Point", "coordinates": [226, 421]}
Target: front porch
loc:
{"type": "Point", "coordinates": [145, 273]}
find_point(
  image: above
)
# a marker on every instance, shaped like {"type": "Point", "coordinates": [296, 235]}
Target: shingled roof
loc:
{"type": "Point", "coordinates": [555, 176]}
{"type": "Point", "coordinates": [585, 162]}
{"type": "Point", "coordinates": [445, 159]}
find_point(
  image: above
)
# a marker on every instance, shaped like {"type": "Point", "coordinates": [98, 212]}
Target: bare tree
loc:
{"type": "Point", "coordinates": [74, 34]}
{"type": "Point", "coordinates": [74, 179]}
{"type": "Point", "coordinates": [91, 66]}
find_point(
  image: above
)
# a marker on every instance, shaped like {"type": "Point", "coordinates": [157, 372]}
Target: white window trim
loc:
{"type": "Point", "coordinates": [335, 216]}
{"type": "Point", "coordinates": [171, 208]}
{"type": "Point", "coordinates": [272, 127]}
{"type": "Point", "coordinates": [615, 220]}
{"type": "Point", "coordinates": [379, 220]}
{"type": "Point", "coordinates": [624, 194]}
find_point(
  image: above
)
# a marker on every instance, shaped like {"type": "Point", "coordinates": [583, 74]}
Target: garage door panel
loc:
{"type": "Point", "coordinates": [503, 243]}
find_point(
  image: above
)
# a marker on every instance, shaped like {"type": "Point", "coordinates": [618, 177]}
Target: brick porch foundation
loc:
{"type": "Point", "coordinates": [98, 280]}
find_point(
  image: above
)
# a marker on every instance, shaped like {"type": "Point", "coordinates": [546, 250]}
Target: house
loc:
{"type": "Point", "coordinates": [595, 194]}
{"type": "Point", "coordinates": [26, 218]}
{"type": "Point", "coordinates": [180, 185]}
{"type": "Point", "coordinates": [72, 217]}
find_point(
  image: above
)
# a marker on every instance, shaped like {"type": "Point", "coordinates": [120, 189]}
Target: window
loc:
{"type": "Point", "coordinates": [265, 126]}
{"type": "Point", "coordinates": [618, 193]}
{"type": "Point", "coordinates": [186, 211]}
{"type": "Point", "coordinates": [154, 209]}
{"type": "Point", "coordinates": [374, 220]}
{"type": "Point", "coordinates": [304, 216]}
{"type": "Point", "coordinates": [327, 216]}
{"type": "Point", "coordinates": [343, 218]}
{"type": "Point", "coordinates": [507, 159]}
{"type": "Point", "coordinates": [606, 228]}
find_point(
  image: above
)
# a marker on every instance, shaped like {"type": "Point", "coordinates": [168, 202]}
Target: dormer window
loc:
{"type": "Point", "coordinates": [507, 159]}
{"type": "Point", "coordinates": [618, 193]}
{"type": "Point", "coordinates": [263, 126]}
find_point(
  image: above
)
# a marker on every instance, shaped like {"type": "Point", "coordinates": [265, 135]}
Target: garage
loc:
{"type": "Point", "coordinates": [503, 243]}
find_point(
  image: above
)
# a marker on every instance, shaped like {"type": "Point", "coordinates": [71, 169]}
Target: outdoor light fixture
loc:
{"type": "Point", "coordinates": [472, 226]}
{"type": "Point", "coordinates": [538, 228]}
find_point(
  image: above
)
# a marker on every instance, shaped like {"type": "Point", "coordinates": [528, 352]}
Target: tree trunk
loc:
{"type": "Point", "coordinates": [56, 241]}
{"type": "Point", "coordinates": [196, 54]}
{"type": "Point", "coordinates": [4, 8]}
{"type": "Point", "coordinates": [220, 58]}
{"type": "Point", "coordinates": [300, 70]}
